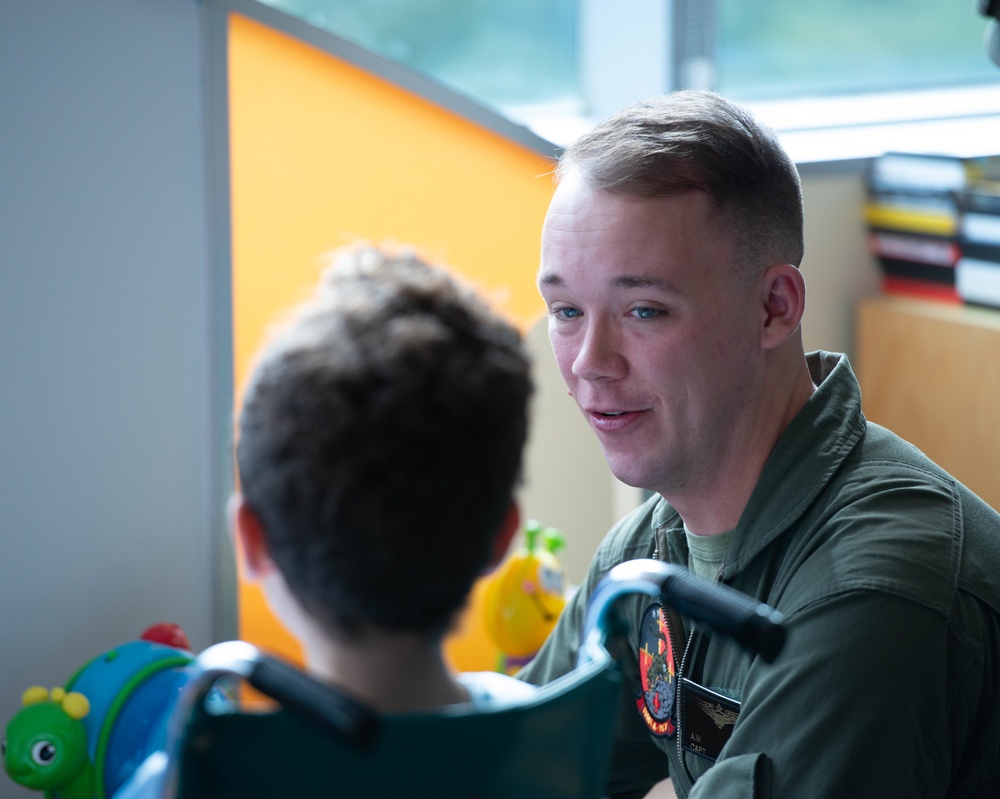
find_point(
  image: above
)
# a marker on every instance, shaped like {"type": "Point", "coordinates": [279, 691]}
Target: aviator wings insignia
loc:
{"type": "Point", "coordinates": [718, 714]}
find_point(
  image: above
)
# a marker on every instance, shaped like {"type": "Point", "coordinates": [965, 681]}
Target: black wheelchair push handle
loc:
{"type": "Point", "coordinates": [297, 691]}
{"type": "Point", "coordinates": [754, 625]}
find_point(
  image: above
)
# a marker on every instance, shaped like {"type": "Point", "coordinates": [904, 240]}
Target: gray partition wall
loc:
{"type": "Point", "coordinates": [109, 380]}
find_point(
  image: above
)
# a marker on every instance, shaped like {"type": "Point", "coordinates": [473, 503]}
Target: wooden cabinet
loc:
{"type": "Point", "coordinates": [930, 372]}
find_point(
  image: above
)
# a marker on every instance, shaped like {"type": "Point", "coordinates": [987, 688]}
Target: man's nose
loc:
{"type": "Point", "coordinates": [600, 354]}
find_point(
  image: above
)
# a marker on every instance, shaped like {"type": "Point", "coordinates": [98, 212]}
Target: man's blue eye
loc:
{"type": "Point", "coordinates": [645, 313]}
{"type": "Point", "coordinates": [567, 313]}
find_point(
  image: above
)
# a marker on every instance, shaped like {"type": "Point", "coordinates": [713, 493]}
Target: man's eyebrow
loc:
{"type": "Point", "coordinates": [641, 282]}
{"type": "Point", "coordinates": [620, 281]}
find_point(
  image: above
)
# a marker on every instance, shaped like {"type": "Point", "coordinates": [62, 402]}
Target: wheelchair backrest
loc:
{"type": "Point", "coordinates": [555, 746]}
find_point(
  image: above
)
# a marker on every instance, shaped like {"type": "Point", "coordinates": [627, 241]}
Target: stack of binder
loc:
{"type": "Point", "coordinates": [912, 212]}
{"type": "Point", "coordinates": [977, 273]}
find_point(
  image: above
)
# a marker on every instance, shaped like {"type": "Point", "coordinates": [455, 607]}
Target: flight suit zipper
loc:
{"type": "Point", "coordinates": [677, 705]}
{"type": "Point", "coordinates": [680, 668]}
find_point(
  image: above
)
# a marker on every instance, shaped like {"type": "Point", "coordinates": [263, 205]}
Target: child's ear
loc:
{"type": "Point", "coordinates": [251, 544]}
{"type": "Point", "coordinates": [508, 529]}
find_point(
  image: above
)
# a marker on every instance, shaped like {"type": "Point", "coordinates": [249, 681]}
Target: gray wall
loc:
{"type": "Point", "coordinates": [106, 384]}
{"type": "Point", "coordinates": [114, 340]}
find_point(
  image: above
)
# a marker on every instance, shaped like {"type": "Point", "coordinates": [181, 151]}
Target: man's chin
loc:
{"type": "Point", "coordinates": [631, 474]}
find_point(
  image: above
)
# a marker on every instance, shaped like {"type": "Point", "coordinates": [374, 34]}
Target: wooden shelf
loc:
{"type": "Point", "coordinates": [930, 372]}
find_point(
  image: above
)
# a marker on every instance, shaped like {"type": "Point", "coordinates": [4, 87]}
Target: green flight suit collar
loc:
{"type": "Point", "coordinates": [804, 459]}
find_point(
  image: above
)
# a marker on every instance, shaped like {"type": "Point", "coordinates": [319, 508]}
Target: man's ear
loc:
{"type": "Point", "coordinates": [251, 544]}
{"type": "Point", "coordinates": [783, 293]}
{"type": "Point", "coordinates": [508, 529]}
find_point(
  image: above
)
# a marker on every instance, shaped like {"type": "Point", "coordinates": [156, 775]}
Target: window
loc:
{"type": "Point", "coordinates": [500, 52]}
{"type": "Point", "coordinates": [786, 49]}
{"type": "Point", "coordinates": [556, 65]}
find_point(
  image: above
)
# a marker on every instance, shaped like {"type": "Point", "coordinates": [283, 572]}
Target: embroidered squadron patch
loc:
{"type": "Point", "coordinates": [658, 673]}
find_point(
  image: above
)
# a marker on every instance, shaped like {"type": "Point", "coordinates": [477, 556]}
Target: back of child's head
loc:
{"type": "Point", "coordinates": [380, 443]}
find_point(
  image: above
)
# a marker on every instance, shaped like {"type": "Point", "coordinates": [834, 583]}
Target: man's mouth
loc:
{"type": "Point", "coordinates": [613, 421]}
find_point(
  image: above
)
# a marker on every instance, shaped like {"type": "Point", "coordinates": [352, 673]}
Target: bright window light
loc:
{"type": "Point", "coordinates": [808, 69]}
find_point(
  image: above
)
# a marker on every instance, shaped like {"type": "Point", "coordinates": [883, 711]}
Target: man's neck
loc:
{"type": "Point", "coordinates": [717, 505]}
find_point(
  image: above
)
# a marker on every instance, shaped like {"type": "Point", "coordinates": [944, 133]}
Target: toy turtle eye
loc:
{"type": "Point", "coordinates": [3, 747]}
{"type": "Point", "coordinates": [43, 753]}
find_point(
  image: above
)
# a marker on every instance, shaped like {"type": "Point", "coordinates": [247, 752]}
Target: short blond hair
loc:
{"type": "Point", "coordinates": [699, 141]}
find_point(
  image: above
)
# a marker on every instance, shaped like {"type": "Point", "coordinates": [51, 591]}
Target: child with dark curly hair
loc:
{"type": "Point", "coordinates": [379, 447]}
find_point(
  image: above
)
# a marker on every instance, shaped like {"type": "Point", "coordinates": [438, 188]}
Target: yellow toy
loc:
{"type": "Point", "coordinates": [525, 595]}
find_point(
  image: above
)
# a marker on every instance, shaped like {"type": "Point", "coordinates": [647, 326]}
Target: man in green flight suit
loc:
{"type": "Point", "coordinates": [669, 267]}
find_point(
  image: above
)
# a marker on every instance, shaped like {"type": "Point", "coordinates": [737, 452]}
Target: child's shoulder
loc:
{"type": "Point", "coordinates": [491, 687]}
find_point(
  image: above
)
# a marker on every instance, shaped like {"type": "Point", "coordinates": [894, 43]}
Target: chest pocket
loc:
{"type": "Point", "coordinates": [705, 719]}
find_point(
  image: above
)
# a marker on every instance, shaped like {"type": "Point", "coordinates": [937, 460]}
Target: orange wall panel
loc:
{"type": "Point", "coordinates": [324, 153]}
